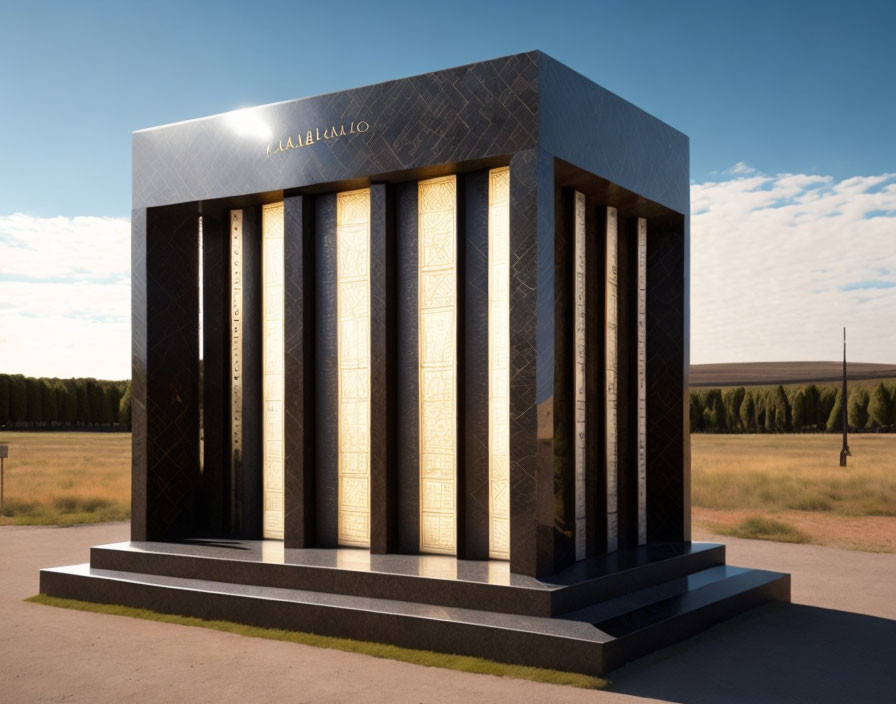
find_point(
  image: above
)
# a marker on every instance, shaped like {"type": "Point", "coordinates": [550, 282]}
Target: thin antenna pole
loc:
{"type": "Point", "coordinates": [844, 452]}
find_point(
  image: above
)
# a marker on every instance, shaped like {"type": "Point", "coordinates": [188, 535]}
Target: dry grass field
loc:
{"type": "Point", "coordinates": [776, 487]}
{"type": "Point", "coordinates": [66, 478]}
{"type": "Point", "coordinates": [791, 487]}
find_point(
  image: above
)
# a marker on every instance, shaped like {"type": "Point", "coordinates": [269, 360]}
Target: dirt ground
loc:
{"type": "Point", "coordinates": [835, 643]}
{"type": "Point", "coordinates": [872, 533]}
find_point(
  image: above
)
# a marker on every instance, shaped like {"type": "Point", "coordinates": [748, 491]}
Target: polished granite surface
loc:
{"type": "Point", "coordinates": [492, 572]}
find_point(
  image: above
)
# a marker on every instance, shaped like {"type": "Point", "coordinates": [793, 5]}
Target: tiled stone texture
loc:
{"type": "Point", "coordinates": [299, 410]}
{"type": "Point", "coordinates": [165, 371]}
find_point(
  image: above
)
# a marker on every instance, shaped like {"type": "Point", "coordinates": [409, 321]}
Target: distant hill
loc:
{"type": "Point", "coordinates": [766, 373]}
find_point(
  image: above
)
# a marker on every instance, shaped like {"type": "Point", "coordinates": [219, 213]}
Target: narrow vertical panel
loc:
{"type": "Point", "coordinates": [272, 370]}
{"type": "Point", "coordinates": [612, 382]}
{"type": "Point", "coordinates": [236, 347]}
{"type": "Point", "coordinates": [499, 362]}
{"type": "Point", "coordinates": [437, 268]}
{"type": "Point", "coordinates": [579, 372]}
{"type": "Point", "coordinates": [642, 381]}
{"type": "Point", "coordinates": [353, 349]}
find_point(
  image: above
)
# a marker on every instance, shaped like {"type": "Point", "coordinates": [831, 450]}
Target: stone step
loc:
{"type": "Point", "coordinates": [427, 579]}
{"type": "Point", "coordinates": [565, 643]}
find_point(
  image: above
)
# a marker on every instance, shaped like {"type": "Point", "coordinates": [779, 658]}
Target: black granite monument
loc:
{"type": "Point", "coordinates": [440, 398]}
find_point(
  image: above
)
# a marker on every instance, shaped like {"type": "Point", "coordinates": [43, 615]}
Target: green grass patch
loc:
{"type": "Point", "coordinates": [425, 658]}
{"type": "Point", "coordinates": [64, 511]}
{"type": "Point", "coordinates": [762, 528]}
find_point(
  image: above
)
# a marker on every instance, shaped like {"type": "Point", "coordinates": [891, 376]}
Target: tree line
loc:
{"type": "Point", "coordinates": [798, 409]}
{"type": "Point", "coordinates": [42, 403]}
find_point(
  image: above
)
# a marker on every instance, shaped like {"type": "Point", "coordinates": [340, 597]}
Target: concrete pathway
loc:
{"type": "Point", "coordinates": [837, 643]}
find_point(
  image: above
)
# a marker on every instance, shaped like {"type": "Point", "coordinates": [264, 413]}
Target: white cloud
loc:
{"type": "Point", "coordinates": [65, 296]}
{"type": "Point", "coordinates": [780, 263]}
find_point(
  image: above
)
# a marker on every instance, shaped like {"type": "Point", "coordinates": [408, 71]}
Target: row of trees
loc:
{"type": "Point", "coordinates": [28, 402]}
{"type": "Point", "coordinates": [798, 409]}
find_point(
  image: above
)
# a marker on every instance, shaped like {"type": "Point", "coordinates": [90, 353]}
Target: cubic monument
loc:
{"type": "Point", "coordinates": [410, 365]}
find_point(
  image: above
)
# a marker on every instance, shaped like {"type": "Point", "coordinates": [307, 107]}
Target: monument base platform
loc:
{"type": "Point", "coordinates": [590, 618]}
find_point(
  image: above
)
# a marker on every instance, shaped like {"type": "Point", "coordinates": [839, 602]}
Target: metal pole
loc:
{"type": "Point", "coordinates": [844, 452]}
{"type": "Point", "coordinates": [1, 482]}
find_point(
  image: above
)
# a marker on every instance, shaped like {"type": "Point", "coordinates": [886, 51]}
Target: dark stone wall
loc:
{"type": "Point", "coordinates": [668, 449]}
{"type": "Point", "coordinates": [165, 372]}
{"type": "Point", "coordinates": [326, 380]}
{"type": "Point", "coordinates": [474, 353]}
{"type": "Point", "coordinates": [407, 414]}
{"type": "Point", "coordinates": [299, 371]}
{"type": "Point", "coordinates": [215, 370]}
{"type": "Point", "coordinates": [383, 392]}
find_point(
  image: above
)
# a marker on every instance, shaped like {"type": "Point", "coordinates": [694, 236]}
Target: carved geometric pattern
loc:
{"type": "Point", "coordinates": [236, 343]}
{"type": "Point", "coordinates": [437, 205]}
{"type": "Point", "coordinates": [353, 350]}
{"type": "Point", "coordinates": [579, 373]}
{"type": "Point", "coordinates": [272, 368]}
{"type": "Point", "coordinates": [499, 362]}
{"type": "Point", "coordinates": [642, 381]}
{"type": "Point", "coordinates": [612, 349]}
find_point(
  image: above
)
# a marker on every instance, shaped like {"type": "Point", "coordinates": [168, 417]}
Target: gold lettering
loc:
{"type": "Point", "coordinates": [342, 130]}
{"type": "Point", "coordinates": [366, 126]}
{"type": "Point", "coordinates": [269, 150]}
{"type": "Point", "coordinates": [352, 129]}
{"type": "Point", "coordinates": [309, 139]}
{"type": "Point", "coordinates": [326, 133]}
{"type": "Point", "coordinates": [299, 140]}
{"type": "Point", "coordinates": [289, 144]}
{"type": "Point", "coordinates": [317, 134]}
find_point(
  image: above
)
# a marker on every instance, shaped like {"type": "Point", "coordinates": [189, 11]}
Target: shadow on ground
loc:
{"type": "Point", "coordinates": [778, 653]}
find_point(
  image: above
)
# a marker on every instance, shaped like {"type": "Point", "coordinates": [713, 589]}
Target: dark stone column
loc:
{"type": "Point", "coordinates": [246, 519]}
{"type": "Point", "coordinates": [383, 470]}
{"type": "Point", "coordinates": [326, 425]}
{"type": "Point", "coordinates": [668, 450]}
{"type": "Point", "coordinates": [298, 329]}
{"type": "Point", "coordinates": [165, 371]}
{"type": "Point", "coordinates": [595, 441]}
{"type": "Point", "coordinates": [407, 414]}
{"type": "Point", "coordinates": [475, 378]}
{"type": "Point", "coordinates": [215, 372]}
{"type": "Point", "coordinates": [537, 474]}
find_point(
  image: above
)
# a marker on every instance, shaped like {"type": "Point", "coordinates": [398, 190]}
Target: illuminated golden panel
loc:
{"type": "Point", "coordinates": [612, 350]}
{"type": "Point", "coordinates": [499, 363]}
{"type": "Point", "coordinates": [642, 381]}
{"type": "Point", "coordinates": [236, 343]}
{"type": "Point", "coordinates": [353, 352]}
{"type": "Point", "coordinates": [579, 373]}
{"type": "Point", "coordinates": [437, 292]}
{"type": "Point", "coordinates": [272, 367]}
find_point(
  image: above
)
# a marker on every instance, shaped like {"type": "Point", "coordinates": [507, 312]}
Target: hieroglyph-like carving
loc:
{"type": "Point", "coordinates": [611, 357]}
{"type": "Point", "coordinates": [499, 363]}
{"type": "Point", "coordinates": [353, 348]}
{"type": "Point", "coordinates": [437, 291]}
{"type": "Point", "coordinates": [642, 381]}
{"type": "Point", "coordinates": [272, 368]}
{"type": "Point", "coordinates": [236, 344]}
{"type": "Point", "coordinates": [579, 371]}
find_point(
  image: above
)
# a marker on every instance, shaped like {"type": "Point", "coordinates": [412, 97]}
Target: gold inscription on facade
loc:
{"type": "Point", "coordinates": [611, 355]}
{"type": "Point", "coordinates": [353, 349]}
{"type": "Point", "coordinates": [272, 368]}
{"type": "Point", "coordinates": [642, 381]}
{"type": "Point", "coordinates": [499, 362]}
{"type": "Point", "coordinates": [437, 291]}
{"type": "Point", "coordinates": [579, 372]}
{"type": "Point", "coordinates": [305, 138]}
{"type": "Point", "coordinates": [236, 343]}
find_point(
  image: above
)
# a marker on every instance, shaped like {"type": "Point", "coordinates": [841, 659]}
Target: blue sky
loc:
{"type": "Point", "coordinates": [765, 90]}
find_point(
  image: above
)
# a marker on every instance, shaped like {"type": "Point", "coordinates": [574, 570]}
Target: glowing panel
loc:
{"type": "Point", "coordinates": [272, 367]}
{"type": "Point", "coordinates": [236, 343]}
{"type": "Point", "coordinates": [437, 291]}
{"type": "Point", "coordinates": [353, 355]}
{"type": "Point", "coordinates": [611, 357]}
{"type": "Point", "coordinates": [579, 371]}
{"type": "Point", "coordinates": [499, 362]}
{"type": "Point", "coordinates": [642, 381]}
